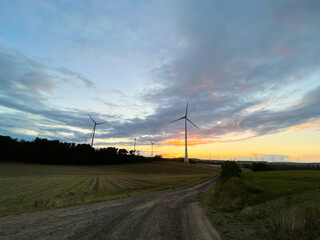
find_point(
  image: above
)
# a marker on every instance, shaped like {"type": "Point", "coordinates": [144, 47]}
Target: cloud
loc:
{"type": "Point", "coordinates": [21, 74]}
{"type": "Point", "coordinates": [238, 56]}
{"type": "Point", "coordinates": [72, 75]}
{"type": "Point", "coordinates": [25, 90]}
{"type": "Point", "coordinates": [247, 68]}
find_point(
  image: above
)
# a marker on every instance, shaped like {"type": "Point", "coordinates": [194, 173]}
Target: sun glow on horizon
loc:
{"type": "Point", "coordinates": [284, 146]}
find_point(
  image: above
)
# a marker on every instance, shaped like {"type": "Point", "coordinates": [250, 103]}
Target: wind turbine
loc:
{"type": "Point", "coordinates": [134, 146]}
{"type": "Point", "coordinates": [151, 148]}
{"type": "Point", "coordinates": [94, 128]}
{"type": "Point", "coordinates": [186, 160]}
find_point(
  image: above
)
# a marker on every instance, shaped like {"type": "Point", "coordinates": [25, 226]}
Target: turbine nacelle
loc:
{"type": "Point", "coordinates": [185, 117]}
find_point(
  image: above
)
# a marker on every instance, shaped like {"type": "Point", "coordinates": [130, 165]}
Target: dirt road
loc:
{"type": "Point", "coordinates": [168, 215]}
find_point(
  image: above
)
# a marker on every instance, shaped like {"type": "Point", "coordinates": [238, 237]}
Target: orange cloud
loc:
{"type": "Point", "coordinates": [305, 126]}
{"type": "Point", "coordinates": [196, 88]}
{"type": "Point", "coordinates": [256, 155]}
{"type": "Point", "coordinates": [192, 141]}
{"type": "Point", "coordinates": [173, 155]}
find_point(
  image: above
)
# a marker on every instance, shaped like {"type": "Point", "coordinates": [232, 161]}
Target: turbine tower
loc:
{"type": "Point", "coordinates": [186, 159]}
{"type": "Point", "coordinates": [134, 146]}
{"type": "Point", "coordinates": [94, 128]}
{"type": "Point", "coordinates": [151, 148]}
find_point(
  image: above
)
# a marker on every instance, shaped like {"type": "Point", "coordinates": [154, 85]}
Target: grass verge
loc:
{"type": "Point", "coordinates": [272, 205]}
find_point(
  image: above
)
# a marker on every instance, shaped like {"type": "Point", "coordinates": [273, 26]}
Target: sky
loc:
{"type": "Point", "coordinates": [249, 69]}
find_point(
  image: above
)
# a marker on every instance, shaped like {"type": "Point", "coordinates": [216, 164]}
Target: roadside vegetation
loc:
{"type": "Point", "coordinates": [267, 205]}
{"type": "Point", "coordinates": [33, 187]}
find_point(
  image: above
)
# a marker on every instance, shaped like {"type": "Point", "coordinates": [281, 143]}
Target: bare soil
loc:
{"type": "Point", "coordinates": [174, 214]}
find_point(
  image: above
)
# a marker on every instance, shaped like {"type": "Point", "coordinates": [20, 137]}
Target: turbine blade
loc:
{"type": "Point", "coordinates": [192, 123]}
{"type": "Point", "coordinates": [92, 119]}
{"type": "Point", "coordinates": [177, 119]}
{"type": "Point", "coordinates": [187, 110]}
{"type": "Point", "coordinates": [101, 123]}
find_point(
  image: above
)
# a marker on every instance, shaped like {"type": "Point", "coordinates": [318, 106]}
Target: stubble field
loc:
{"type": "Point", "coordinates": [33, 187]}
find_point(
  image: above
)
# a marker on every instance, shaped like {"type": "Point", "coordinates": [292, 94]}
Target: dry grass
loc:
{"type": "Point", "coordinates": [283, 219]}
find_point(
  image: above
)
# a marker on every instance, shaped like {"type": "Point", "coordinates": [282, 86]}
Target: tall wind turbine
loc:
{"type": "Point", "coordinates": [94, 128]}
{"type": "Point", "coordinates": [134, 146]}
{"type": "Point", "coordinates": [186, 159]}
{"type": "Point", "coordinates": [151, 148]}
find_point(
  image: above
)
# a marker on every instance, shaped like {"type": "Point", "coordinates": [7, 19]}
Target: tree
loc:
{"type": "Point", "coordinates": [122, 151]}
{"type": "Point", "coordinates": [56, 152]}
{"type": "Point", "coordinates": [158, 157]}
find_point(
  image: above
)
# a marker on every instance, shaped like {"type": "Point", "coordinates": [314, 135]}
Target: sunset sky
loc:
{"type": "Point", "coordinates": [249, 69]}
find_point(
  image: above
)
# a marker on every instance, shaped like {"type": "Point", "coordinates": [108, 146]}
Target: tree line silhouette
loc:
{"type": "Point", "coordinates": [261, 167]}
{"type": "Point", "coordinates": [46, 151]}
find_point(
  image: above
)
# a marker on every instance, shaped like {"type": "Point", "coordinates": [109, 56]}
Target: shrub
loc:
{"type": "Point", "coordinates": [229, 169]}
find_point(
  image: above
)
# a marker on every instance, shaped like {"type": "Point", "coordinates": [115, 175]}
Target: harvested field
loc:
{"type": "Point", "coordinates": [33, 187]}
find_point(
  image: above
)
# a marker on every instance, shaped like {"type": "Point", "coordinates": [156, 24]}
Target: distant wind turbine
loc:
{"type": "Point", "coordinates": [134, 145]}
{"type": "Point", "coordinates": [151, 148]}
{"type": "Point", "coordinates": [186, 159]}
{"type": "Point", "coordinates": [94, 128]}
